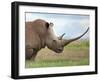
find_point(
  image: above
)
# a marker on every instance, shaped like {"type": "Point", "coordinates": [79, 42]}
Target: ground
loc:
{"type": "Point", "coordinates": [74, 54]}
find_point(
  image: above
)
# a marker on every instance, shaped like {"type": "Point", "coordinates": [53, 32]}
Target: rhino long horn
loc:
{"type": "Point", "coordinates": [60, 37]}
{"type": "Point", "coordinates": [65, 41]}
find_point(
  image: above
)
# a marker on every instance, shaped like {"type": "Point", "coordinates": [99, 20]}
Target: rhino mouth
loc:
{"type": "Point", "coordinates": [58, 50]}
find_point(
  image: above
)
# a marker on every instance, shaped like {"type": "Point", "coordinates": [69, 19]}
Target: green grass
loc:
{"type": "Point", "coordinates": [56, 63]}
{"type": "Point", "coordinates": [75, 54]}
{"type": "Point", "coordinates": [78, 46]}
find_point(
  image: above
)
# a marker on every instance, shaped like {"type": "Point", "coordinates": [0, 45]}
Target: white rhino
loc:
{"type": "Point", "coordinates": [39, 34]}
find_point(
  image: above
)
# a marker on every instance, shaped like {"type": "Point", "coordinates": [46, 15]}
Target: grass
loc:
{"type": "Point", "coordinates": [78, 45]}
{"type": "Point", "coordinates": [56, 63]}
{"type": "Point", "coordinates": [75, 54]}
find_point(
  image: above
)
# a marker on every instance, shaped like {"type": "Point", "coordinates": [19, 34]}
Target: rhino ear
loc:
{"type": "Point", "coordinates": [51, 24]}
{"type": "Point", "coordinates": [47, 25]}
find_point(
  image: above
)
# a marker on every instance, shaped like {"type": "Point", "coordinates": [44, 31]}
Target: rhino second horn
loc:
{"type": "Point", "coordinates": [60, 37]}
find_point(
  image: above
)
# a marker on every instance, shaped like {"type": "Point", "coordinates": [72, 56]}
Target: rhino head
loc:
{"type": "Point", "coordinates": [57, 43]}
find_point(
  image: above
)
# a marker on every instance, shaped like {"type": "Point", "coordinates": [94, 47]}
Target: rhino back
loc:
{"type": "Point", "coordinates": [31, 36]}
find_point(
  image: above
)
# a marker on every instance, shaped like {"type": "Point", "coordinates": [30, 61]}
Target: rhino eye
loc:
{"type": "Point", "coordinates": [47, 24]}
{"type": "Point", "coordinates": [54, 41]}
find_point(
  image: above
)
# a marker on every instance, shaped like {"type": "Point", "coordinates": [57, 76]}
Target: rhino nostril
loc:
{"type": "Point", "coordinates": [60, 49]}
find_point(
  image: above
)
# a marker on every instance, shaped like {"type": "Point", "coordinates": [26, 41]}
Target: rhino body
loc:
{"type": "Point", "coordinates": [39, 33]}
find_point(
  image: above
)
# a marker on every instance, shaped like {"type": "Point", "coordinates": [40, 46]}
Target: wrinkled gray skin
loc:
{"type": "Point", "coordinates": [39, 34]}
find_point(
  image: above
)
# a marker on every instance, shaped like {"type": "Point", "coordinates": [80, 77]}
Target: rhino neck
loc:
{"type": "Point", "coordinates": [42, 42]}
